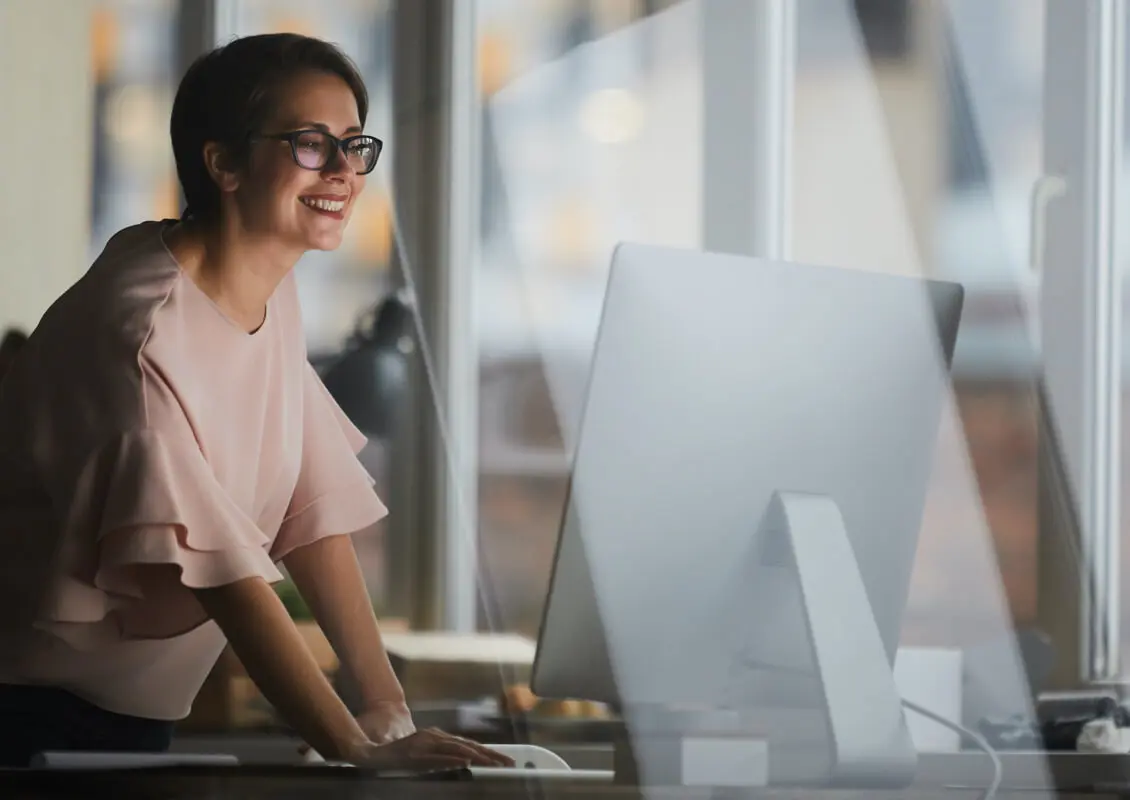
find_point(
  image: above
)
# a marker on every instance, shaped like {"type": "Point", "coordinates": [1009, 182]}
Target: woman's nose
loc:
{"type": "Point", "coordinates": [337, 166]}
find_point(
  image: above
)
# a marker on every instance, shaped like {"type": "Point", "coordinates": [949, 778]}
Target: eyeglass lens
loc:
{"type": "Point", "coordinates": [314, 149]}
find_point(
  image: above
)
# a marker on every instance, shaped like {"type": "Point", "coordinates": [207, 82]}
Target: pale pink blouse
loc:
{"type": "Point", "coordinates": [142, 427]}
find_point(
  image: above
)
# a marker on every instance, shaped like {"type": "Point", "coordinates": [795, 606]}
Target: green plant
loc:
{"type": "Point", "coordinates": [292, 601]}
{"type": "Point", "coordinates": [295, 605]}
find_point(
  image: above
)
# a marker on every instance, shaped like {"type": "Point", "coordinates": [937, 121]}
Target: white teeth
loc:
{"type": "Point", "coordinates": [324, 205]}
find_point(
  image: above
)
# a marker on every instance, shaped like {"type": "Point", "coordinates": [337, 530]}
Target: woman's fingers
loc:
{"type": "Point", "coordinates": [434, 749]}
{"type": "Point", "coordinates": [435, 761]}
{"type": "Point", "coordinates": [473, 752]}
{"type": "Point", "coordinates": [494, 758]}
{"type": "Point", "coordinates": [450, 745]}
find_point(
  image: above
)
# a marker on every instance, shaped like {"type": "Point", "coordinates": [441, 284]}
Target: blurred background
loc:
{"type": "Point", "coordinates": [911, 135]}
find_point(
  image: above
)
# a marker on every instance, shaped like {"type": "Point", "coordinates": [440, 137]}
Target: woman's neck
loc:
{"type": "Point", "coordinates": [237, 270]}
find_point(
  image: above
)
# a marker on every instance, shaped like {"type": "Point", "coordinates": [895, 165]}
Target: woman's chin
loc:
{"type": "Point", "coordinates": [324, 241]}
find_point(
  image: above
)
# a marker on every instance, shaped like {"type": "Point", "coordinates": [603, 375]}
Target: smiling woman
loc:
{"type": "Point", "coordinates": [164, 443]}
{"type": "Point", "coordinates": [240, 147]}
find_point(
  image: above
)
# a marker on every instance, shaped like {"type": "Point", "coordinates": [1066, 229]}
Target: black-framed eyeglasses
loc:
{"type": "Point", "coordinates": [314, 149]}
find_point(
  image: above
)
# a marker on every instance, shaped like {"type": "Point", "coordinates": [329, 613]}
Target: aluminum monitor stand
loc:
{"type": "Point", "coordinates": [868, 744]}
{"type": "Point", "coordinates": [871, 745]}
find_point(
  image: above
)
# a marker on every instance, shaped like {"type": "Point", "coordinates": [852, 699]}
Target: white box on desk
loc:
{"type": "Point", "coordinates": [932, 678]}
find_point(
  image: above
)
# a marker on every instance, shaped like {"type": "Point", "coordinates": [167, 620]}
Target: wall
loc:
{"type": "Point", "coordinates": [45, 86]}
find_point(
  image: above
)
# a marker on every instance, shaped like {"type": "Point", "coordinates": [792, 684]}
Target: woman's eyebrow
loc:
{"type": "Point", "coordinates": [321, 126]}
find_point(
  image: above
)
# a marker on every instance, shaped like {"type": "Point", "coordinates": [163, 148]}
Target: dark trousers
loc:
{"type": "Point", "coordinates": [38, 718]}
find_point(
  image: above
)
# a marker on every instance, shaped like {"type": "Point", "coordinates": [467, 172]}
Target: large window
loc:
{"type": "Point", "coordinates": [905, 159]}
{"type": "Point", "coordinates": [134, 74]}
{"type": "Point", "coordinates": [935, 148]}
{"type": "Point", "coordinates": [589, 137]}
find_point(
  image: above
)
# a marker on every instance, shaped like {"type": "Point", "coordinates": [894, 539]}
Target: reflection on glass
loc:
{"type": "Point", "coordinates": [916, 139]}
{"type": "Point", "coordinates": [935, 149]}
{"type": "Point", "coordinates": [991, 79]}
{"type": "Point", "coordinates": [587, 140]}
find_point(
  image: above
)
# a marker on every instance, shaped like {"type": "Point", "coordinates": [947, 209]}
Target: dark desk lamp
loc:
{"type": "Point", "coordinates": [369, 379]}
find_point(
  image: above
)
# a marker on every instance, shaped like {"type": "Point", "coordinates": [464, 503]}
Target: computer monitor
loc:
{"type": "Point", "coordinates": [746, 498]}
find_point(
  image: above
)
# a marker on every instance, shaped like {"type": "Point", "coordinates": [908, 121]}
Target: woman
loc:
{"type": "Point", "coordinates": [164, 444]}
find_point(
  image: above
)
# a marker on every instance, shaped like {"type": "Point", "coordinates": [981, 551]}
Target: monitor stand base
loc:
{"type": "Point", "coordinates": [870, 744]}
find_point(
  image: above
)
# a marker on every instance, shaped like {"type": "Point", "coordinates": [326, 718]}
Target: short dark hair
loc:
{"type": "Point", "coordinates": [227, 95]}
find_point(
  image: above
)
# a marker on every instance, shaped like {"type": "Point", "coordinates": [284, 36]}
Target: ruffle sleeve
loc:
{"type": "Point", "coordinates": [334, 493]}
{"type": "Point", "coordinates": [160, 505]}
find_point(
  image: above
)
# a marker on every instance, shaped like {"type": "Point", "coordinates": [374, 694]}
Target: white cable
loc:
{"type": "Point", "coordinates": [977, 738]}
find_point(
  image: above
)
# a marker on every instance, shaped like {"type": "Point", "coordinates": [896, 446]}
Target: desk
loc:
{"type": "Point", "coordinates": [282, 783]}
{"type": "Point", "coordinates": [1068, 770]}
{"type": "Point", "coordinates": [271, 772]}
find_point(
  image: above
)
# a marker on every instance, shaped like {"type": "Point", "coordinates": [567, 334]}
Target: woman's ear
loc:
{"type": "Point", "coordinates": [221, 166]}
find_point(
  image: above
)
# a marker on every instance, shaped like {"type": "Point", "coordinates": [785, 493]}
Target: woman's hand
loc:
{"type": "Point", "coordinates": [427, 749]}
{"type": "Point", "coordinates": [383, 723]}
{"type": "Point", "coordinates": [386, 722]}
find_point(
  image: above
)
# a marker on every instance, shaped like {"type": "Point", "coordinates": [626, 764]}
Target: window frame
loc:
{"type": "Point", "coordinates": [1081, 333]}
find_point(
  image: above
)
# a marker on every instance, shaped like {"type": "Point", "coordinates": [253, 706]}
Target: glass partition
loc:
{"type": "Point", "coordinates": [915, 138]}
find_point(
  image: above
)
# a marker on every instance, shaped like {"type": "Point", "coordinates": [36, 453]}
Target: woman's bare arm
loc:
{"type": "Point", "coordinates": [270, 647]}
{"type": "Point", "coordinates": [265, 639]}
{"type": "Point", "coordinates": [329, 578]}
